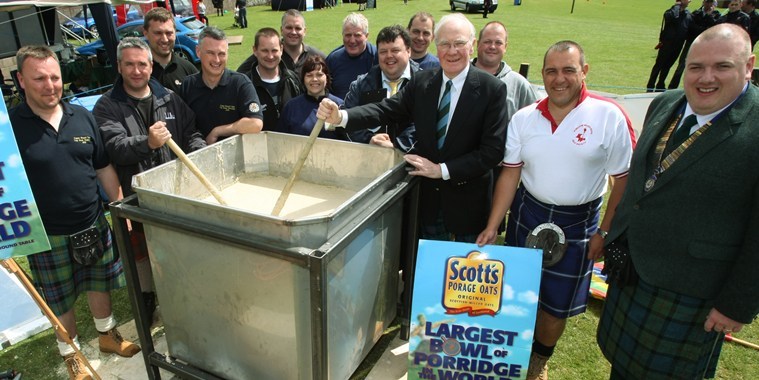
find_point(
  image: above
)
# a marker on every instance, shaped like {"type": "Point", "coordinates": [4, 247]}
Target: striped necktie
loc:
{"type": "Point", "coordinates": [442, 114]}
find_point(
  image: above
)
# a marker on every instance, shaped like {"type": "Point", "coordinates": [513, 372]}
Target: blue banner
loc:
{"type": "Point", "coordinates": [473, 311]}
{"type": "Point", "coordinates": [21, 232]}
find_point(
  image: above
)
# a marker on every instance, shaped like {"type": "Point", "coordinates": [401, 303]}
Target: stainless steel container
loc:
{"type": "Point", "coordinates": [252, 296]}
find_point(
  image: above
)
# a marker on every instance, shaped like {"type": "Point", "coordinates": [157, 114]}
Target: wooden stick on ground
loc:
{"type": "Point", "coordinates": [12, 267]}
{"type": "Point", "coordinates": [730, 338]}
{"type": "Point", "coordinates": [194, 169]}
{"type": "Point", "coordinates": [298, 166]}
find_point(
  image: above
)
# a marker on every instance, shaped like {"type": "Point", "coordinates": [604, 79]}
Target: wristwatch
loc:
{"type": "Point", "coordinates": [602, 233]}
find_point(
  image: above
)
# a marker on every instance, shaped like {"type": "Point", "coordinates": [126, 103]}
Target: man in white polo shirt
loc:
{"type": "Point", "coordinates": [563, 149]}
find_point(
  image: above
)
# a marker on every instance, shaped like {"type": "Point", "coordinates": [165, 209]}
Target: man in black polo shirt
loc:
{"type": "Point", "coordinates": [226, 101]}
{"type": "Point", "coordinates": [136, 118]}
{"type": "Point", "coordinates": [275, 84]}
{"type": "Point", "coordinates": [160, 31]}
{"type": "Point", "coordinates": [64, 158]}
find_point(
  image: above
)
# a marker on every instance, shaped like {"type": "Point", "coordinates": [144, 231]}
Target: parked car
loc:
{"type": "Point", "coordinates": [183, 8]}
{"type": "Point", "coordinates": [81, 25]}
{"type": "Point", "coordinates": [471, 6]}
{"type": "Point", "coordinates": [188, 30]}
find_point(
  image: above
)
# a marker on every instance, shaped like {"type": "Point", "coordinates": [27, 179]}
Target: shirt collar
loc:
{"type": "Point", "coordinates": [223, 81]}
{"type": "Point", "coordinates": [543, 106]}
{"type": "Point", "coordinates": [543, 103]}
{"type": "Point", "coordinates": [458, 80]}
{"type": "Point", "coordinates": [406, 74]}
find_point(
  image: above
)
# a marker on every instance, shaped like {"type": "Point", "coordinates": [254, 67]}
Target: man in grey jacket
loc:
{"type": "Point", "coordinates": [491, 47]}
{"type": "Point", "coordinates": [138, 115]}
{"type": "Point", "coordinates": [136, 118]}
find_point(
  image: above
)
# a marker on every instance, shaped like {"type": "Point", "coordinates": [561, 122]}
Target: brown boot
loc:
{"type": "Point", "coordinates": [112, 342]}
{"type": "Point", "coordinates": [538, 369]}
{"type": "Point", "coordinates": [76, 367]}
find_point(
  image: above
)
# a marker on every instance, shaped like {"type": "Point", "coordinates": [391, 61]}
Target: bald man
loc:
{"type": "Point", "coordinates": [694, 258]}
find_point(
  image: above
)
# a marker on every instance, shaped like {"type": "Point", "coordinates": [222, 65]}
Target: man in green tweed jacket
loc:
{"type": "Point", "coordinates": [690, 217]}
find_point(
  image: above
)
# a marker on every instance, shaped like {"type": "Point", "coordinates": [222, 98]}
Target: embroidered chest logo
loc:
{"type": "Point", "coordinates": [581, 134]}
{"type": "Point", "coordinates": [227, 107]}
{"type": "Point", "coordinates": [82, 139]}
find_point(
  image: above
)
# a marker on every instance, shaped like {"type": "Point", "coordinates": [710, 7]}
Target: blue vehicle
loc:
{"type": "Point", "coordinates": [188, 30]}
{"type": "Point", "coordinates": [85, 27]}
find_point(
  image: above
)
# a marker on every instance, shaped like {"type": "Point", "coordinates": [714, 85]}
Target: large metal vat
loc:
{"type": "Point", "coordinates": [252, 296]}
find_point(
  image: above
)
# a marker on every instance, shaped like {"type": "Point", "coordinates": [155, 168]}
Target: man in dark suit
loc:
{"type": "Point", "coordinates": [689, 220]}
{"type": "Point", "coordinates": [460, 133]}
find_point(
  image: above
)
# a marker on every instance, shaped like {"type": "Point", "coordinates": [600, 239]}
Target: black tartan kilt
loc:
{"type": "Point", "coordinates": [651, 333]}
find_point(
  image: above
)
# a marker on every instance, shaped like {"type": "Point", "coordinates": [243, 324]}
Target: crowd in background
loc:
{"type": "Point", "coordinates": [476, 134]}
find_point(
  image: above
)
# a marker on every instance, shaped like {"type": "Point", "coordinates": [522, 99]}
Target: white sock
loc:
{"type": "Point", "coordinates": [64, 348]}
{"type": "Point", "coordinates": [106, 324]}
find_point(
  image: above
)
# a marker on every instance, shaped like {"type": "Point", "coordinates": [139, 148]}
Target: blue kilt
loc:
{"type": "Point", "coordinates": [564, 287]}
{"type": "Point", "coordinates": [651, 333]}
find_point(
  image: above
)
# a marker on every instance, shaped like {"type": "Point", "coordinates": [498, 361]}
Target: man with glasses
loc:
{"type": "Point", "coordinates": [354, 58]}
{"type": "Point", "coordinates": [460, 123]}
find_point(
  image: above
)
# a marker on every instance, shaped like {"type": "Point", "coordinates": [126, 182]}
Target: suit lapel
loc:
{"type": "Point", "coordinates": [718, 132]}
{"type": "Point", "coordinates": [655, 127]}
{"type": "Point", "coordinates": [469, 95]}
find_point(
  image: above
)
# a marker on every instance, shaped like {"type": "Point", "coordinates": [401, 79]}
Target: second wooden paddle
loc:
{"type": "Point", "coordinates": [298, 166]}
{"type": "Point", "coordinates": [194, 169]}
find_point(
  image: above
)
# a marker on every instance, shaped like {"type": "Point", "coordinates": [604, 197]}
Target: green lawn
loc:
{"type": "Point", "coordinates": [618, 37]}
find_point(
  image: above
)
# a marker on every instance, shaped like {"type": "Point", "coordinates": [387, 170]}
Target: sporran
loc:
{"type": "Point", "coordinates": [551, 239]}
{"type": "Point", "coordinates": [86, 246]}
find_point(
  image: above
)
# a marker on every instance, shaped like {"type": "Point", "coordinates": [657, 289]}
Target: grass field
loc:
{"type": "Point", "coordinates": [618, 37]}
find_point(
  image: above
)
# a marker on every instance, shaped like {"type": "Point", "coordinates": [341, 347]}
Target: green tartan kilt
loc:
{"type": "Point", "coordinates": [650, 333]}
{"type": "Point", "coordinates": [60, 279]}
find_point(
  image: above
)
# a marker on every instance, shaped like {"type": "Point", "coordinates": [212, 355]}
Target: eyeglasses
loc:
{"type": "Point", "coordinates": [458, 45]}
